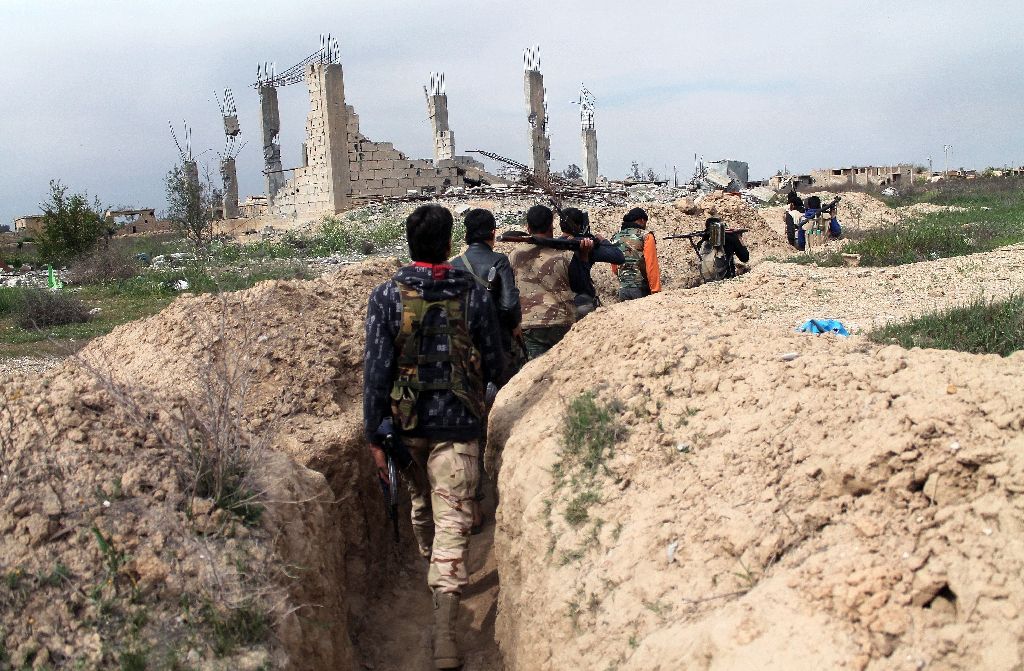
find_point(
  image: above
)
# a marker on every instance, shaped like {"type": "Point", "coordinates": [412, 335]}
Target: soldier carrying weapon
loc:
{"type": "Point", "coordinates": [717, 249]}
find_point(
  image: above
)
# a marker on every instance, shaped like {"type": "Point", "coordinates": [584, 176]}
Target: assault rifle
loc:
{"type": "Point", "coordinates": [554, 243]}
{"type": "Point", "coordinates": [710, 234]}
{"type": "Point", "coordinates": [398, 459]}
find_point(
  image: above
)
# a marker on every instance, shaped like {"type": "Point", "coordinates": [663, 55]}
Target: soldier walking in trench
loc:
{"type": "Point", "coordinates": [432, 345]}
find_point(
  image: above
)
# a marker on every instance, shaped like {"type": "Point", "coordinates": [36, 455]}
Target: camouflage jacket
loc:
{"type": "Point", "coordinates": [442, 416]}
{"type": "Point", "coordinates": [542, 274]}
{"type": "Point", "coordinates": [631, 242]}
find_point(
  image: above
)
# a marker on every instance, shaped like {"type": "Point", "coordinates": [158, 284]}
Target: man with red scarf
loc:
{"type": "Point", "coordinates": [432, 345]}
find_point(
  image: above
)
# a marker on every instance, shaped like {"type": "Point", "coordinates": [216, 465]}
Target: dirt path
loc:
{"type": "Point", "coordinates": [398, 629]}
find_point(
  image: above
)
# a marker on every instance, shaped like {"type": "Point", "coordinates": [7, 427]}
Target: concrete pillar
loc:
{"type": "Point", "coordinates": [327, 135]}
{"type": "Point", "coordinates": [540, 144]}
{"type": "Point", "coordinates": [229, 176]}
{"type": "Point", "coordinates": [590, 156]}
{"type": "Point", "coordinates": [191, 170]}
{"type": "Point", "coordinates": [270, 125]}
{"type": "Point", "coordinates": [444, 139]}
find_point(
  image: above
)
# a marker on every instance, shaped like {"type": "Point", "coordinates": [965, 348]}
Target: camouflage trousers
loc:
{"type": "Point", "coordinates": [442, 484]}
{"type": "Point", "coordinates": [632, 293]}
{"type": "Point", "coordinates": [540, 340]}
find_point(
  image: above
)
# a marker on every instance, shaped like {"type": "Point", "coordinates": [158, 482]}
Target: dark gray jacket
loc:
{"type": "Point", "coordinates": [502, 287]}
{"type": "Point", "coordinates": [579, 272]}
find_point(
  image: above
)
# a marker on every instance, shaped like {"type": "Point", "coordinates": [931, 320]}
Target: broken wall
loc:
{"type": "Point", "coordinates": [321, 185]}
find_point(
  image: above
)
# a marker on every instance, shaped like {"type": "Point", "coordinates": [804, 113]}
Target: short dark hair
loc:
{"type": "Point", "coordinates": [540, 219]}
{"type": "Point", "coordinates": [574, 221]}
{"type": "Point", "coordinates": [479, 225]}
{"type": "Point", "coordinates": [814, 202]}
{"type": "Point", "coordinates": [633, 216]}
{"type": "Point", "coordinates": [429, 233]}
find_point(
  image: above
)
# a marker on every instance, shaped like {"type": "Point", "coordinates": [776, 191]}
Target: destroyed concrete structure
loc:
{"type": "Point", "coordinates": [339, 163]}
{"type": "Point", "coordinates": [229, 178]}
{"type": "Point", "coordinates": [30, 224]}
{"type": "Point", "coordinates": [437, 111]}
{"type": "Point", "coordinates": [866, 176]}
{"type": "Point", "coordinates": [729, 174]}
{"type": "Point", "coordinates": [321, 184]}
{"type": "Point", "coordinates": [537, 113]}
{"type": "Point", "coordinates": [270, 128]}
{"type": "Point", "coordinates": [133, 221]}
{"type": "Point", "coordinates": [863, 176]}
{"type": "Point", "coordinates": [588, 136]}
{"type": "Point", "coordinates": [228, 169]}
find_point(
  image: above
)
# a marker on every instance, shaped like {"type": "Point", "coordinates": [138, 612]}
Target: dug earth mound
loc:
{"type": "Point", "coordinates": [193, 490]}
{"type": "Point", "coordinates": [686, 482]}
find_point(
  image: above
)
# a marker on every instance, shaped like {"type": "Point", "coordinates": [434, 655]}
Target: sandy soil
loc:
{"type": "Point", "coordinates": [782, 500]}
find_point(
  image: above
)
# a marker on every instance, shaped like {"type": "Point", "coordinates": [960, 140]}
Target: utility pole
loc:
{"type": "Point", "coordinates": [945, 151]}
{"type": "Point", "coordinates": [929, 167]}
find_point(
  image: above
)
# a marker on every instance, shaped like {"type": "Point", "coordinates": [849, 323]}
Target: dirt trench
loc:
{"type": "Point", "coordinates": [100, 507]}
{"type": "Point", "coordinates": [395, 633]}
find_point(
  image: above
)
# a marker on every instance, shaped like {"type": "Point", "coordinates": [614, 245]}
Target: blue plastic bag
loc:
{"type": "Point", "coordinates": [824, 326]}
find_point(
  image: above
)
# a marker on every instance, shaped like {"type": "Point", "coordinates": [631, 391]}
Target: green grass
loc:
{"type": "Point", "coordinates": [590, 433]}
{"type": "Point", "coordinates": [578, 509]}
{"type": "Point", "coordinates": [10, 300]}
{"type": "Point", "coordinates": [122, 301]}
{"type": "Point", "coordinates": [995, 327]}
{"type": "Point", "coordinates": [358, 232]}
{"type": "Point", "coordinates": [238, 627]}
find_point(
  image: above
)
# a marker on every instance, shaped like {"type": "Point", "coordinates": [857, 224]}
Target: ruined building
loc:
{"type": "Point", "coordinates": [340, 165]}
{"type": "Point", "coordinates": [879, 176]}
{"type": "Point", "coordinates": [537, 111]}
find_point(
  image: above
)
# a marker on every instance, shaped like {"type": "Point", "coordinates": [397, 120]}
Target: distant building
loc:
{"type": "Point", "coordinates": [865, 176]}
{"type": "Point", "coordinates": [30, 224]}
{"type": "Point", "coordinates": [787, 180]}
{"type": "Point", "coordinates": [143, 220]}
{"type": "Point", "coordinates": [254, 206]}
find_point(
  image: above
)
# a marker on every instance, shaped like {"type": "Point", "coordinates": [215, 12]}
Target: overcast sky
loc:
{"type": "Point", "coordinates": [88, 87]}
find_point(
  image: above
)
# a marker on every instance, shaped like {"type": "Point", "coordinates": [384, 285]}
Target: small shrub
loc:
{"type": "Point", "coordinates": [103, 264]}
{"type": "Point", "coordinates": [361, 233]}
{"type": "Point", "coordinates": [71, 224]}
{"type": "Point", "coordinates": [982, 327]}
{"type": "Point", "coordinates": [39, 309]}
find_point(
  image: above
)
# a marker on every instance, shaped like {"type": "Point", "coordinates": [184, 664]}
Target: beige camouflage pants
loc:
{"type": "Point", "coordinates": [442, 483]}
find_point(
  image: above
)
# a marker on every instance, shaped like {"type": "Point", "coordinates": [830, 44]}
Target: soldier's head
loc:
{"type": "Point", "coordinates": [480, 226]}
{"type": "Point", "coordinates": [574, 221]}
{"type": "Point", "coordinates": [795, 201]}
{"type": "Point", "coordinates": [814, 203]}
{"type": "Point", "coordinates": [635, 218]}
{"type": "Point", "coordinates": [540, 219]}
{"type": "Point", "coordinates": [429, 233]}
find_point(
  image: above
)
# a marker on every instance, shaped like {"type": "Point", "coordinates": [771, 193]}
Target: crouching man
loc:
{"type": "Point", "coordinates": [432, 345]}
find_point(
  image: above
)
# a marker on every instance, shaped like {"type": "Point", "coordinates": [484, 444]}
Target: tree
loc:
{"type": "Point", "coordinates": [71, 224]}
{"type": "Point", "coordinates": [573, 172]}
{"type": "Point", "coordinates": [190, 202]}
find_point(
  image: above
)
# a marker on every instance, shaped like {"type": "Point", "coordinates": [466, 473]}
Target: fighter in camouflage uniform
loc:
{"type": "Point", "coordinates": [432, 344]}
{"type": "Point", "coordinates": [640, 275]}
{"type": "Point", "coordinates": [545, 292]}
